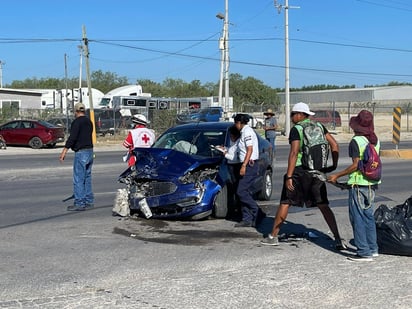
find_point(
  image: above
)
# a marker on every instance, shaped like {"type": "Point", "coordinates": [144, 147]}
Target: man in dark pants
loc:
{"type": "Point", "coordinates": [80, 141]}
{"type": "Point", "coordinates": [248, 148]}
{"type": "Point", "coordinates": [300, 187]}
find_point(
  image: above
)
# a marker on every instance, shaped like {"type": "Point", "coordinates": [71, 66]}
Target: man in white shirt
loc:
{"type": "Point", "coordinates": [248, 155]}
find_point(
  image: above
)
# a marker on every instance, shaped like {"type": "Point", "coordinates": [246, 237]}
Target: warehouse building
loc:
{"type": "Point", "coordinates": [381, 99]}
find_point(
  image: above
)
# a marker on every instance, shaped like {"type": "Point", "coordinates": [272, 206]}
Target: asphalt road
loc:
{"type": "Point", "coordinates": [51, 258]}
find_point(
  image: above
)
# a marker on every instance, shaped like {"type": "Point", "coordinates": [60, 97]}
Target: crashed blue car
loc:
{"type": "Point", "coordinates": [183, 176]}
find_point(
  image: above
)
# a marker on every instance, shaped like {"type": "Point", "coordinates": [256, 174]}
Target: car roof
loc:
{"type": "Point", "coordinates": [220, 125]}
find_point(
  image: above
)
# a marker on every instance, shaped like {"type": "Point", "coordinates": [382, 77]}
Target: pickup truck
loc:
{"type": "Point", "coordinates": [106, 121]}
{"type": "Point", "coordinates": [329, 118]}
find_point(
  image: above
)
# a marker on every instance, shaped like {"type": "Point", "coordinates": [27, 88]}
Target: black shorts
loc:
{"type": "Point", "coordinates": [309, 190]}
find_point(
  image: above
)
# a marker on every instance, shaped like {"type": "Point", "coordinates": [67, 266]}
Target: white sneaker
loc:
{"type": "Point", "coordinates": [360, 258]}
{"type": "Point", "coordinates": [270, 241]}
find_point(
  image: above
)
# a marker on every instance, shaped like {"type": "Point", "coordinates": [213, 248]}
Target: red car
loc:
{"type": "Point", "coordinates": [35, 133]}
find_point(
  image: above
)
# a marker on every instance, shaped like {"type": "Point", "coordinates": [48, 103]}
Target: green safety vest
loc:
{"type": "Point", "coordinates": [356, 178]}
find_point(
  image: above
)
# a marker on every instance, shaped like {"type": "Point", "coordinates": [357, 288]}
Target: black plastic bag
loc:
{"type": "Point", "coordinates": [394, 228]}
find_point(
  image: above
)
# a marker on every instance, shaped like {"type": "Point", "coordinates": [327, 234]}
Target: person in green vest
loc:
{"type": "Point", "coordinates": [300, 187]}
{"type": "Point", "coordinates": [362, 190]}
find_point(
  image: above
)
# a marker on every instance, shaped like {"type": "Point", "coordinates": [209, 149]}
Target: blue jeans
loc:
{"type": "Point", "coordinates": [82, 177]}
{"type": "Point", "coordinates": [361, 209]}
{"type": "Point", "coordinates": [272, 140]}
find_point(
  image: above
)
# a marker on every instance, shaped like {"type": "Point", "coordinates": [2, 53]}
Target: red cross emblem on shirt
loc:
{"type": "Point", "coordinates": [145, 138]}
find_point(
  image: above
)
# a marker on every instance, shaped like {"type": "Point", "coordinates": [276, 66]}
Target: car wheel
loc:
{"type": "Point", "coordinates": [220, 204]}
{"type": "Point", "coordinates": [36, 143]}
{"type": "Point", "coordinates": [266, 191]}
{"type": "Point", "coordinates": [259, 125]}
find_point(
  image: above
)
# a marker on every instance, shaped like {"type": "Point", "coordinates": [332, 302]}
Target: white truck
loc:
{"type": "Point", "coordinates": [128, 90]}
{"type": "Point", "coordinates": [66, 98]}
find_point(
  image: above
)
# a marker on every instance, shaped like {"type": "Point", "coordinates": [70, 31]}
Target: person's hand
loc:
{"type": "Point", "coordinates": [62, 155]}
{"type": "Point", "coordinates": [332, 178]}
{"type": "Point", "coordinates": [289, 184]}
{"type": "Point", "coordinates": [242, 170]}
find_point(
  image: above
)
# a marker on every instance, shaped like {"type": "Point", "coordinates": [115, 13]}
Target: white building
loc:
{"type": "Point", "coordinates": [383, 98]}
{"type": "Point", "coordinates": [20, 99]}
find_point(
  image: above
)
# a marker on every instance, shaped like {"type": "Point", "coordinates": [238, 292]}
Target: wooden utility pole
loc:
{"type": "Point", "coordinates": [89, 86]}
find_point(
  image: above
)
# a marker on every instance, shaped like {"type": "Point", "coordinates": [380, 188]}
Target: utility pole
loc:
{"type": "Point", "coordinates": [226, 27]}
{"type": "Point", "coordinates": [86, 54]}
{"type": "Point", "coordinates": [67, 91]}
{"type": "Point", "coordinates": [224, 58]}
{"type": "Point", "coordinates": [1, 73]}
{"type": "Point", "coordinates": [287, 87]}
{"type": "Point", "coordinates": [80, 73]}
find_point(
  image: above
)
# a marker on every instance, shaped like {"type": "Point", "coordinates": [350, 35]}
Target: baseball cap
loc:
{"type": "Point", "coordinates": [79, 107]}
{"type": "Point", "coordinates": [302, 108]}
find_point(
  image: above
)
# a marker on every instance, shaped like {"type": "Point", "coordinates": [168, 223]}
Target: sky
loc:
{"type": "Point", "coordinates": [333, 42]}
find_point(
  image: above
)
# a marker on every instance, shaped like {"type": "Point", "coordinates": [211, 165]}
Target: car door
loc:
{"type": "Point", "coordinates": [11, 132]}
{"type": "Point", "coordinates": [28, 129]}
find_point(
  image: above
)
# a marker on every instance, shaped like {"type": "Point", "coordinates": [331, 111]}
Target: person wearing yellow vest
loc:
{"type": "Point", "coordinates": [362, 190]}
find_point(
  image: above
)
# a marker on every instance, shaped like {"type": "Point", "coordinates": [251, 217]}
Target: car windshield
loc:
{"type": "Point", "coordinates": [104, 102]}
{"type": "Point", "coordinates": [198, 142]}
{"type": "Point", "coordinates": [47, 124]}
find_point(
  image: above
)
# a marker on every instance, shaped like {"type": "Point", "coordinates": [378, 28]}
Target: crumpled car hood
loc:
{"type": "Point", "coordinates": [159, 163]}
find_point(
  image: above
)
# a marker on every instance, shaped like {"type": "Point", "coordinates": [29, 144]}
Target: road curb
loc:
{"type": "Point", "coordinates": [397, 153]}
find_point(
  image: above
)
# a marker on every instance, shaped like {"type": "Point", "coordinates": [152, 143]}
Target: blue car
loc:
{"type": "Point", "coordinates": [183, 176]}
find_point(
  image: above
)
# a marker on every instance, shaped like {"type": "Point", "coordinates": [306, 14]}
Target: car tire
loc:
{"type": "Point", "coordinates": [266, 192]}
{"type": "Point", "coordinates": [220, 204]}
{"type": "Point", "coordinates": [36, 143]}
{"type": "Point", "coordinates": [259, 125]}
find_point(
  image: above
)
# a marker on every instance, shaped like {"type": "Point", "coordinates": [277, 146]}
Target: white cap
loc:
{"type": "Point", "coordinates": [302, 108]}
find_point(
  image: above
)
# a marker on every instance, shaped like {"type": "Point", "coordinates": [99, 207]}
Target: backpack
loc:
{"type": "Point", "coordinates": [370, 166]}
{"type": "Point", "coordinates": [315, 147]}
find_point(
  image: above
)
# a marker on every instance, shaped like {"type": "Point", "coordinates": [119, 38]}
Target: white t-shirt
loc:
{"type": "Point", "coordinates": [232, 154]}
{"type": "Point", "coordinates": [248, 138]}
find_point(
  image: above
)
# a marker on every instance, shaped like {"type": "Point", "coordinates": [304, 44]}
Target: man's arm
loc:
{"type": "Point", "coordinates": [334, 147]}
{"type": "Point", "coordinates": [248, 155]}
{"type": "Point", "coordinates": [350, 169]}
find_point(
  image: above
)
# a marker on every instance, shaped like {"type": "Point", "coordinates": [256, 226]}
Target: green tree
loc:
{"type": "Point", "coordinates": [151, 87]}
{"type": "Point", "coordinates": [35, 83]}
{"type": "Point", "coordinates": [106, 81]}
{"type": "Point", "coordinates": [251, 92]}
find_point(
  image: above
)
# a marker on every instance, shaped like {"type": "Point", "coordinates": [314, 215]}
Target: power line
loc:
{"type": "Point", "coordinates": [19, 41]}
{"type": "Point", "coordinates": [256, 63]}
{"type": "Point", "coordinates": [387, 6]}
{"type": "Point", "coordinates": [179, 54]}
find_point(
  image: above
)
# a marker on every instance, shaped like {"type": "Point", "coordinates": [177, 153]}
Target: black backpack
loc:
{"type": "Point", "coordinates": [315, 147]}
